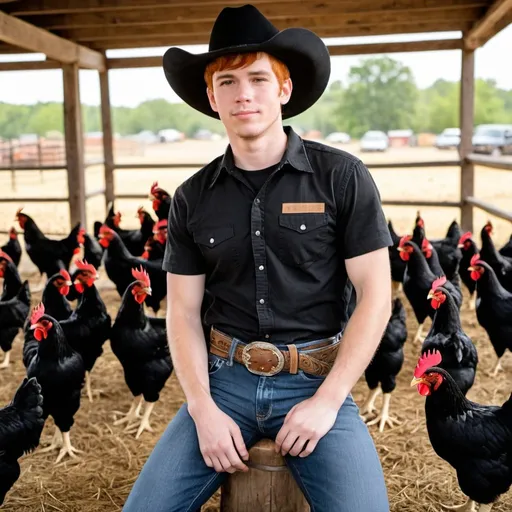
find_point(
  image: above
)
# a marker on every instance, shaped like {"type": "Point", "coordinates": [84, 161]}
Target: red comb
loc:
{"type": "Point", "coordinates": [404, 239]}
{"type": "Point", "coordinates": [140, 210]}
{"type": "Point", "coordinates": [37, 313]}
{"type": "Point", "coordinates": [426, 361]}
{"type": "Point", "coordinates": [105, 229]}
{"type": "Point", "coordinates": [438, 282]}
{"type": "Point", "coordinates": [83, 265]}
{"type": "Point", "coordinates": [474, 260]}
{"type": "Point", "coordinates": [466, 236]}
{"type": "Point", "coordinates": [65, 274]}
{"type": "Point", "coordinates": [161, 224]}
{"type": "Point", "coordinates": [141, 275]}
{"type": "Point", "coordinates": [5, 256]}
{"type": "Point", "coordinates": [18, 211]}
{"type": "Point", "coordinates": [154, 187]}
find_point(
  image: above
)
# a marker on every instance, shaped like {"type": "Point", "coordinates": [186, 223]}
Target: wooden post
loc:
{"type": "Point", "coordinates": [74, 144]}
{"type": "Point", "coordinates": [108, 151]}
{"type": "Point", "coordinates": [268, 486]}
{"type": "Point", "coordinates": [40, 158]}
{"type": "Point", "coordinates": [13, 171]}
{"type": "Point", "coordinates": [467, 171]}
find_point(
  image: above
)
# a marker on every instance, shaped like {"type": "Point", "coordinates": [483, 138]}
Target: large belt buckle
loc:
{"type": "Point", "coordinates": [259, 370]}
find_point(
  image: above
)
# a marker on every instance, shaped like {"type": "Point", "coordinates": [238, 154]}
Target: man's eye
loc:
{"type": "Point", "coordinates": [260, 79]}
{"type": "Point", "coordinates": [226, 82]}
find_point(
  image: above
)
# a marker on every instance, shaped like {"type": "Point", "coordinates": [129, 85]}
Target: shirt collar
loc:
{"type": "Point", "coordinates": [294, 155]}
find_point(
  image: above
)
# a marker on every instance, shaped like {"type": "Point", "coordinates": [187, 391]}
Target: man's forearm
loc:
{"type": "Point", "coordinates": [361, 338]}
{"type": "Point", "coordinates": [189, 356]}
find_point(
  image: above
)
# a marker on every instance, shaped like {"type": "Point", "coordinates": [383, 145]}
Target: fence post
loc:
{"type": "Point", "coordinates": [13, 170]}
{"type": "Point", "coordinates": [40, 158]}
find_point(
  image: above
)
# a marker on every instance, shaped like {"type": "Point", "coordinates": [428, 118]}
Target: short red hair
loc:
{"type": "Point", "coordinates": [241, 60]}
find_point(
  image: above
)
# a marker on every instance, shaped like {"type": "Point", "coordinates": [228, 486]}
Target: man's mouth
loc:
{"type": "Point", "coordinates": [245, 113]}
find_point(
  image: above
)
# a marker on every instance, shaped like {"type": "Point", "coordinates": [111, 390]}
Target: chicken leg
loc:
{"type": "Point", "coordinates": [89, 388]}
{"type": "Point", "coordinates": [472, 302]}
{"type": "Point", "coordinates": [132, 415]}
{"type": "Point", "coordinates": [55, 443]}
{"type": "Point", "coordinates": [144, 424]}
{"type": "Point", "coordinates": [469, 506]}
{"type": "Point", "coordinates": [383, 418]}
{"type": "Point", "coordinates": [417, 336]}
{"type": "Point", "coordinates": [6, 361]}
{"type": "Point", "coordinates": [368, 409]}
{"type": "Point", "coordinates": [67, 448]}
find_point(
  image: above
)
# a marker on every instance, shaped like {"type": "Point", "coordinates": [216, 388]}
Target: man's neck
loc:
{"type": "Point", "coordinates": [259, 153]}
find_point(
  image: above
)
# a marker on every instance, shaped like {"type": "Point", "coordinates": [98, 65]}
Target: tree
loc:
{"type": "Point", "coordinates": [381, 95]}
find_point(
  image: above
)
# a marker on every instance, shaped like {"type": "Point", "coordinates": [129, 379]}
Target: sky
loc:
{"type": "Point", "coordinates": [129, 87]}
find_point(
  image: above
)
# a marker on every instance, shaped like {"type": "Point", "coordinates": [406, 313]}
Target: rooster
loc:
{"type": "Point", "coordinates": [397, 264]}
{"type": "Point", "coordinates": [119, 263]}
{"type": "Point", "coordinates": [93, 252]}
{"type": "Point", "coordinates": [501, 265]}
{"type": "Point", "coordinates": [493, 307]}
{"type": "Point", "coordinates": [14, 306]}
{"type": "Point", "coordinates": [13, 247]}
{"type": "Point", "coordinates": [140, 344]}
{"type": "Point", "coordinates": [60, 371]}
{"type": "Point", "coordinates": [468, 248]}
{"type": "Point", "coordinates": [88, 327]}
{"type": "Point", "coordinates": [476, 440]}
{"type": "Point", "coordinates": [418, 279]}
{"type": "Point", "coordinates": [49, 256]}
{"type": "Point", "coordinates": [460, 357]}
{"type": "Point", "coordinates": [161, 201]}
{"type": "Point", "coordinates": [154, 249]}
{"type": "Point", "coordinates": [385, 366]}
{"type": "Point", "coordinates": [21, 424]}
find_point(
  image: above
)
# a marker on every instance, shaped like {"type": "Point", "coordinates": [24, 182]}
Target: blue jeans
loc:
{"type": "Point", "coordinates": [343, 474]}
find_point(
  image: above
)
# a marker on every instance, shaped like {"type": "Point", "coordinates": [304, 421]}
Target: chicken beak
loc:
{"type": "Point", "coordinates": [460, 246]}
{"type": "Point", "coordinates": [151, 197]}
{"type": "Point", "coordinates": [400, 249]}
{"type": "Point", "coordinates": [33, 327]}
{"type": "Point", "coordinates": [430, 295]}
{"type": "Point", "coordinates": [148, 290]}
{"type": "Point", "coordinates": [69, 283]}
{"type": "Point", "coordinates": [471, 269]}
{"type": "Point", "coordinates": [415, 381]}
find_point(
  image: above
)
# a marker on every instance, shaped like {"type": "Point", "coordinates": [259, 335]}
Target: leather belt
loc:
{"type": "Point", "coordinates": [263, 358]}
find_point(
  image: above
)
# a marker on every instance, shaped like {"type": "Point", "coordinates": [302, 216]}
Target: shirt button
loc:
{"type": "Point", "coordinates": [257, 233]}
{"type": "Point", "coordinates": [303, 227]}
{"type": "Point", "coordinates": [257, 201]}
{"type": "Point", "coordinates": [267, 336]}
{"type": "Point", "coordinates": [262, 301]}
{"type": "Point", "coordinates": [212, 240]}
{"type": "Point", "coordinates": [261, 267]}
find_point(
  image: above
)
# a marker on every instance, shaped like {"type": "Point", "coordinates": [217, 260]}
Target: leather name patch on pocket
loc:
{"type": "Point", "coordinates": [303, 208]}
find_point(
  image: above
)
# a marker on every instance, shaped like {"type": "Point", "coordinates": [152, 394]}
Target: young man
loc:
{"type": "Point", "coordinates": [267, 236]}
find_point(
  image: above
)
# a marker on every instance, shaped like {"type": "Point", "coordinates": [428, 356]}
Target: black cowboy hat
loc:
{"type": "Point", "coordinates": [243, 30]}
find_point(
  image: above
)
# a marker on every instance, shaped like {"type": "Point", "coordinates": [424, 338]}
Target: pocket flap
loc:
{"type": "Point", "coordinates": [303, 222]}
{"type": "Point", "coordinates": [214, 236]}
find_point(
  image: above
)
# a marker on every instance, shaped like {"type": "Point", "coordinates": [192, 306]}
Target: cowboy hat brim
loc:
{"type": "Point", "coordinates": [303, 52]}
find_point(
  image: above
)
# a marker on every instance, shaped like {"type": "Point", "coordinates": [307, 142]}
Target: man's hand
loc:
{"type": "Point", "coordinates": [220, 440]}
{"type": "Point", "coordinates": [305, 424]}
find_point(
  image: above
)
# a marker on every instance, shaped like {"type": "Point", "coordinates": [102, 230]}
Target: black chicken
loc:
{"type": "Point", "coordinates": [13, 247]}
{"type": "Point", "coordinates": [385, 366]}
{"type": "Point", "coordinates": [140, 344]}
{"type": "Point", "coordinates": [49, 256]}
{"type": "Point", "coordinates": [14, 306]}
{"type": "Point", "coordinates": [397, 264]}
{"type": "Point", "coordinates": [493, 307]}
{"type": "Point", "coordinates": [468, 248]}
{"type": "Point", "coordinates": [60, 371]}
{"type": "Point", "coordinates": [161, 201]}
{"type": "Point", "coordinates": [418, 279]}
{"type": "Point", "coordinates": [476, 440]}
{"type": "Point", "coordinates": [501, 265]}
{"type": "Point", "coordinates": [448, 250]}
{"type": "Point", "coordinates": [88, 326]}
{"type": "Point", "coordinates": [21, 424]}
{"type": "Point", "coordinates": [93, 251]}
{"type": "Point", "coordinates": [506, 250]}
{"type": "Point", "coordinates": [460, 357]}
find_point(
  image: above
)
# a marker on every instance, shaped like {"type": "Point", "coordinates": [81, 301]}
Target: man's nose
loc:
{"type": "Point", "coordinates": [244, 92]}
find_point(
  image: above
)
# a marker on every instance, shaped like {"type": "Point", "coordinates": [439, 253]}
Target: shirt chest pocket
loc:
{"type": "Point", "coordinates": [302, 237]}
{"type": "Point", "coordinates": [217, 246]}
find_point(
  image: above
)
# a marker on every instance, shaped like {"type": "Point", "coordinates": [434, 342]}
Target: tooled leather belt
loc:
{"type": "Point", "coordinates": [263, 358]}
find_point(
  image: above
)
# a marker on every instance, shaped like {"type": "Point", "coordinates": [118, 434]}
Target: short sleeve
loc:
{"type": "Point", "coordinates": [361, 224]}
{"type": "Point", "coordinates": [182, 256]}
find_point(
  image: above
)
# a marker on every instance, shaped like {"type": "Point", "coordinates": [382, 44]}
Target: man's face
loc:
{"type": "Point", "coordinates": [249, 100]}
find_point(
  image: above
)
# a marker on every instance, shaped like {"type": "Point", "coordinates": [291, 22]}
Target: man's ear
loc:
{"type": "Point", "coordinates": [211, 99]}
{"type": "Point", "coordinates": [286, 91]}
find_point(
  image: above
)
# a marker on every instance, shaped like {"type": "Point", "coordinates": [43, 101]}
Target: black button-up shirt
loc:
{"type": "Point", "coordinates": [274, 259]}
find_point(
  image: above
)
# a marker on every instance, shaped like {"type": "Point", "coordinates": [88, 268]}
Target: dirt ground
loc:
{"type": "Point", "coordinates": [417, 480]}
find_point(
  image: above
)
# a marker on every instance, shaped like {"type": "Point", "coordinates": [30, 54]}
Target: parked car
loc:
{"type": "Point", "coordinates": [449, 138]}
{"type": "Point", "coordinates": [338, 137]}
{"type": "Point", "coordinates": [170, 135]}
{"type": "Point", "coordinates": [374, 140]}
{"type": "Point", "coordinates": [493, 139]}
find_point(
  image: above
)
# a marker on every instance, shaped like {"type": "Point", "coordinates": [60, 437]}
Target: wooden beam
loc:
{"type": "Point", "coordinates": [484, 28]}
{"type": "Point", "coordinates": [74, 145]}
{"type": "Point", "coordinates": [320, 24]}
{"type": "Point", "coordinates": [108, 151]}
{"type": "Point", "coordinates": [274, 11]}
{"type": "Point", "coordinates": [418, 202]}
{"type": "Point", "coordinates": [411, 46]}
{"type": "Point", "coordinates": [30, 65]}
{"type": "Point", "coordinates": [490, 161]}
{"type": "Point", "coordinates": [57, 7]}
{"type": "Point", "coordinates": [24, 35]}
{"type": "Point", "coordinates": [467, 106]}
{"type": "Point", "coordinates": [490, 208]}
